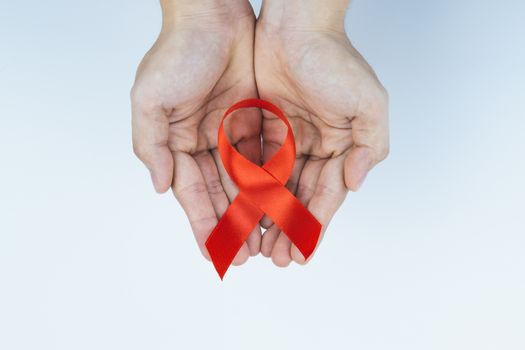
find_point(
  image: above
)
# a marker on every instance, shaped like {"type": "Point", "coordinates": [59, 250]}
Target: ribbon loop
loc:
{"type": "Point", "coordinates": [261, 190]}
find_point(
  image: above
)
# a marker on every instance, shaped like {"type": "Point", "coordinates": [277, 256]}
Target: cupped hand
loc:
{"type": "Point", "coordinates": [201, 63]}
{"type": "Point", "coordinates": [338, 110]}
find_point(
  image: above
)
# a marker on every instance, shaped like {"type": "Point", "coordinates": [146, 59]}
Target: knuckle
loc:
{"type": "Point", "coordinates": [200, 225]}
{"type": "Point", "coordinates": [214, 187]}
{"type": "Point", "coordinates": [304, 191]}
{"type": "Point", "coordinates": [134, 94]}
{"type": "Point", "coordinates": [384, 94]}
{"type": "Point", "coordinates": [192, 189]}
{"type": "Point", "coordinates": [138, 150]}
{"type": "Point", "coordinates": [143, 152]}
{"type": "Point", "coordinates": [384, 151]}
{"type": "Point", "coordinates": [141, 98]}
{"type": "Point", "coordinates": [324, 190]}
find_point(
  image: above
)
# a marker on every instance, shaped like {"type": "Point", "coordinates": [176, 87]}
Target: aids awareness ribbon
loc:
{"type": "Point", "coordinates": [261, 191]}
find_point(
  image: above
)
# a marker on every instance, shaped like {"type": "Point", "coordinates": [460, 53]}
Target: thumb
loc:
{"type": "Point", "coordinates": [358, 163]}
{"type": "Point", "coordinates": [370, 138]}
{"type": "Point", "coordinates": [150, 143]}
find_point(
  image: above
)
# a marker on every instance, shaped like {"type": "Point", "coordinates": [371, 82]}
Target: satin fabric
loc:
{"type": "Point", "coordinates": [261, 190]}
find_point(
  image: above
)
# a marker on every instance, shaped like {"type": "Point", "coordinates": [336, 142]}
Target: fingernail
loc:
{"type": "Point", "coordinates": [153, 180]}
{"type": "Point", "coordinates": [361, 181]}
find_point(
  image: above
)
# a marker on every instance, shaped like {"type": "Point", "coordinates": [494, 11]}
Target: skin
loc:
{"type": "Point", "coordinates": [338, 109]}
{"type": "Point", "coordinates": [206, 58]}
{"type": "Point", "coordinates": [201, 63]}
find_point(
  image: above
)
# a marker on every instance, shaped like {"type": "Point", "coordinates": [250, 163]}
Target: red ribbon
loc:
{"type": "Point", "coordinates": [261, 190]}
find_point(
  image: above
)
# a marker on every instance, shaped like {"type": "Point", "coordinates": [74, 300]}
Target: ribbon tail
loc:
{"type": "Point", "coordinates": [306, 235]}
{"type": "Point", "coordinates": [231, 232]}
{"type": "Point", "coordinates": [301, 227]}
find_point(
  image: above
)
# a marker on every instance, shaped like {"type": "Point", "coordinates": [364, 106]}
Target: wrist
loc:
{"type": "Point", "coordinates": [326, 15]}
{"type": "Point", "coordinates": [204, 12]}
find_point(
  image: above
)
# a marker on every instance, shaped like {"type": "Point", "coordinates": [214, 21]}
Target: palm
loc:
{"type": "Point", "coordinates": [194, 76]}
{"type": "Point", "coordinates": [313, 77]}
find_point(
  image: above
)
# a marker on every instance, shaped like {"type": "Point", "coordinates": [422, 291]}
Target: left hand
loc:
{"type": "Point", "coordinates": [335, 103]}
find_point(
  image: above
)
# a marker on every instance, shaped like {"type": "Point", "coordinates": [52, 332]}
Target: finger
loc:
{"type": "Point", "coordinates": [303, 191]}
{"type": "Point", "coordinates": [251, 149]}
{"type": "Point", "coordinates": [191, 191]}
{"type": "Point", "coordinates": [308, 180]}
{"type": "Point", "coordinates": [211, 177]}
{"type": "Point", "coordinates": [150, 141]}
{"type": "Point", "coordinates": [306, 185]}
{"type": "Point", "coordinates": [268, 240]}
{"type": "Point", "coordinates": [217, 195]}
{"type": "Point", "coordinates": [244, 128]}
{"type": "Point", "coordinates": [370, 138]}
{"type": "Point", "coordinates": [280, 252]}
{"type": "Point", "coordinates": [254, 239]}
{"type": "Point", "coordinates": [330, 192]}
{"type": "Point", "coordinates": [266, 222]}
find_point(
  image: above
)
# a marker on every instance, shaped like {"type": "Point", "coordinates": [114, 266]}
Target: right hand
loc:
{"type": "Point", "coordinates": [201, 63]}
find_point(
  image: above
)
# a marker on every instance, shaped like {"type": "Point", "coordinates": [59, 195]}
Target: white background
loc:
{"type": "Point", "coordinates": [428, 255]}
